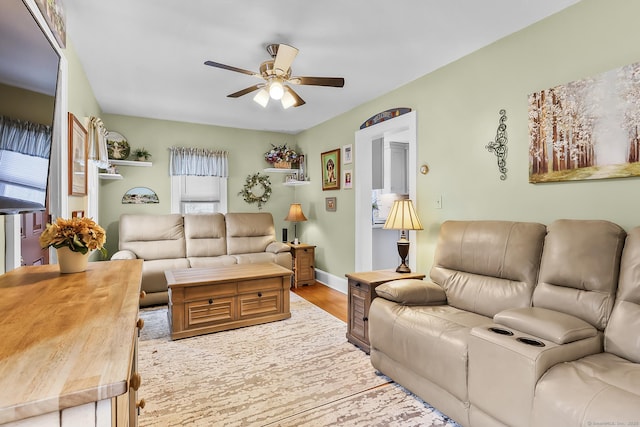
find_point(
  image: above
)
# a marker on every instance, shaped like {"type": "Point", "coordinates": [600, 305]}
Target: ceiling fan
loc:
{"type": "Point", "coordinates": [276, 74]}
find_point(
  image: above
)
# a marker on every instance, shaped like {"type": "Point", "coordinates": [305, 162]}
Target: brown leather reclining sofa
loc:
{"type": "Point", "coordinates": [174, 241]}
{"type": "Point", "coordinates": [520, 325]}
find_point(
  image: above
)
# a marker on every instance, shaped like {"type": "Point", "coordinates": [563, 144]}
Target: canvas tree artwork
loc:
{"type": "Point", "coordinates": [586, 129]}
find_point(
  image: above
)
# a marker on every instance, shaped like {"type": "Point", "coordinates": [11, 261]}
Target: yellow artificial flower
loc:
{"type": "Point", "coordinates": [78, 234]}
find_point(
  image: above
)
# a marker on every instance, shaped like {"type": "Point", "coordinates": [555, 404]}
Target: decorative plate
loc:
{"type": "Point", "coordinates": [117, 146]}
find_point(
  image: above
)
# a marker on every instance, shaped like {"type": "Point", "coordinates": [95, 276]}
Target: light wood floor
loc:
{"type": "Point", "coordinates": [328, 299]}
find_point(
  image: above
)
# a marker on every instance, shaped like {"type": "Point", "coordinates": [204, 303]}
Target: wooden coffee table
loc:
{"type": "Point", "coordinates": [204, 300]}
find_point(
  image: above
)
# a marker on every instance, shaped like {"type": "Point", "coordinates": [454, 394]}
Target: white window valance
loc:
{"type": "Point", "coordinates": [198, 161]}
{"type": "Point", "coordinates": [25, 137]}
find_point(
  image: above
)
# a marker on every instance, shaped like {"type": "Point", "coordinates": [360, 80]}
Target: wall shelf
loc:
{"type": "Point", "coordinates": [295, 183]}
{"type": "Point", "coordinates": [130, 163]}
{"type": "Point", "coordinates": [109, 176]}
{"type": "Point", "coordinates": [279, 170]}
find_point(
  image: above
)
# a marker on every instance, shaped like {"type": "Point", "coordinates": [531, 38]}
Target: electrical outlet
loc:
{"type": "Point", "coordinates": [439, 202]}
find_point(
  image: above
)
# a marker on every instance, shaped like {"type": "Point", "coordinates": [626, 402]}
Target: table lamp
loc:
{"type": "Point", "coordinates": [295, 215]}
{"type": "Point", "coordinates": [403, 217]}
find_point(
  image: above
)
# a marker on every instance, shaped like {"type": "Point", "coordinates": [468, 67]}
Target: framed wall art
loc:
{"type": "Point", "coordinates": [330, 169]}
{"type": "Point", "coordinates": [586, 129]}
{"type": "Point", "coordinates": [53, 13]}
{"type": "Point", "coordinates": [77, 157]}
{"type": "Point", "coordinates": [330, 204]}
{"type": "Point", "coordinates": [347, 181]}
{"type": "Point", "coordinates": [347, 154]}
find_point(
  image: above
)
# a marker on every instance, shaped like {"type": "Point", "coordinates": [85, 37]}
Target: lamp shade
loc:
{"type": "Point", "coordinates": [403, 216]}
{"type": "Point", "coordinates": [262, 97]}
{"type": "Point", "coordinates": [295, 213]}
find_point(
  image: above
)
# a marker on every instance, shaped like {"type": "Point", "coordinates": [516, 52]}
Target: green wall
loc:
{"type": "Point", "coordinates": [457, 111]}
{"type": "Point", "coordinates": [245, 147]}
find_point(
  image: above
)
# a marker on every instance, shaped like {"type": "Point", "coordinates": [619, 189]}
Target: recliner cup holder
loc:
{"type": "Point", "coordinates": [530, 341]}
{"type": "Point", "coordinates": [500, 331]}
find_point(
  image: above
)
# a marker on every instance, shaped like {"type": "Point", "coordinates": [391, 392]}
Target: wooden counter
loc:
{"type": "Point", "coordinates": [66, 339]}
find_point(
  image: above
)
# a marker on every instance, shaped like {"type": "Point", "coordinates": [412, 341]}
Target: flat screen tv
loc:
{"type": "Point", "coordinates": [29, 67]}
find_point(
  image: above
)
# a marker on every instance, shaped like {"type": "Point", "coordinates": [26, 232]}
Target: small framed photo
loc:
{"type": "Point", "coordinates": [77, 214]}
{"type": "Point", "coordinates": [347, 154]}
{"type": "Point", "coordinates": [347, 180]}
{"type": "Point", "coordinates": [330, 204]}
{"type": "Point", "coordinates": [77, 157]}
{"type": "Point", "coordinates": [330, 169]}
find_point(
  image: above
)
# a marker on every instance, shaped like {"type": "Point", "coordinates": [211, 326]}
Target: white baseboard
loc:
{"type": "Point", "coordinates": [334, 282]}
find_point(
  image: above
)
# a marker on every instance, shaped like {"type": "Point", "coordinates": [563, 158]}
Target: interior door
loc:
{"type": "Point", "coordinates": [32, 224]}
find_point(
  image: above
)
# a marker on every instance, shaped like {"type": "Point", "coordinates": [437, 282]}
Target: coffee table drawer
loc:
{"type": "Point", "coordinates": [259, 303]}
{"type": "Point", "coordinates": [209, 312]}
{"type": "Point", "coordinates": [207, 291]}
{"type": "Point", "coordinates": [259, 285]}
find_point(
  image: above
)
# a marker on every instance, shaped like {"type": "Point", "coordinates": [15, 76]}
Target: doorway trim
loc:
{"type": "Point", "coordinates": [407, 124]}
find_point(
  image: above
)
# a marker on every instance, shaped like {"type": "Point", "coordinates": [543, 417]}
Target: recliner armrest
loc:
{"type": "Point", "coordinates": [277, 247]}
{"type": "Point", "coordinates": [412, 292]}
{"type": "Point", "coordinates": [124, 254]}
{"type": "Point", "coordinates": [554, 326]}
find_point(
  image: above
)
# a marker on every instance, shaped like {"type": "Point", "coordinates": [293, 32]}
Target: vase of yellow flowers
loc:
{"type": "Point", "coordinates": [74, 239]}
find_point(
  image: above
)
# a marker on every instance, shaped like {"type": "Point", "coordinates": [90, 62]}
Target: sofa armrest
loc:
{"type": "Point", "coordinates": [550, 325]}
{"type": "Point", "coordinates": [124, 254]}
{"type": "Point", "coordinates": [412, 292]}
{"type": "Point", "coordinates": [277, 247]}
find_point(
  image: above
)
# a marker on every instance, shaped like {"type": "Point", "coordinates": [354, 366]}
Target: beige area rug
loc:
{"type": "Point", "coordinates": [295, 372]}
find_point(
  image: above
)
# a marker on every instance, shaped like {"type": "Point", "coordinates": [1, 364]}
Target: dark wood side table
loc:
{"type": "Point", "coordinates": [304, 272]}
{"type": "Point", "coordinates": [361, 292]}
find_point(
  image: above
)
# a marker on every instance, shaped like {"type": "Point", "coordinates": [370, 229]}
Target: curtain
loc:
{"type": "Point", "coordinates": [97, 135]}
{"type": "Point", "coordinates": [198, 161]}
{"type": "Point", "coordinates": [24, 137]}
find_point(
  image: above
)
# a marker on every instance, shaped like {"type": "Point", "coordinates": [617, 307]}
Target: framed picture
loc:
{"type": "Point", "coordinates": [347, 180]}
{"type": "Point", "coordinates": [53, 13]}
{"type": "Point", "coordinates": [347, 154]}
{"type": "Point", "coordinates": [77, 214]}
{"type": "Point", "coordinates": [330, 169]}
{"type": "Point", "coordinates": [77, 157]}
{"type": "Point", "coordinates": [330, 204]}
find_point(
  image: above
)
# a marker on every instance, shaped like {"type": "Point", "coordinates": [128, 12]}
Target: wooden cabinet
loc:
{"type": "Point", "coordinates": [361, 293]}
{"type": "Point", "coordinates": [78, 334]}
{"type": "Point", "coordinates": [304, 272]}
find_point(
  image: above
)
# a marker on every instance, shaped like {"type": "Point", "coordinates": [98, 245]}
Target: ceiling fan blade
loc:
{"type": "Point", "coordinates": [299, 101]}
{"type": "Point", "coordinates": [284, 58]}
{"type": "Point", "coordinates": [318, 81]}
{"type": "Point", "coordinates": [230, 68]}
{"type": "Point", "coordinates": [245, 91]}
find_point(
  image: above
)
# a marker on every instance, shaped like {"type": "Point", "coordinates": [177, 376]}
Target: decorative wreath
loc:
{"type": "Point", "coordinates": [252, 181]}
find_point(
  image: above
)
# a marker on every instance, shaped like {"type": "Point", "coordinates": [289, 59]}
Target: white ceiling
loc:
{"type": "Point", "coordinates": [145, 57]}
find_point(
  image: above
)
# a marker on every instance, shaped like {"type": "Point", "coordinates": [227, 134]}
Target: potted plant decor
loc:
{"type": "Point", "coordinates": [281, 156]}
{"type": "Point", "coordinates": [74, 240]}
{"type": "Point", "coordinates": [141, 154]}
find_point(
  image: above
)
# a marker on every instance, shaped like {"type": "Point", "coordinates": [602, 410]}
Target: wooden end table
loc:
{"type": "Point", "coordinates": [303, 256]}
{"type": "Point", "coordinates": [204, 300]}
{"type": "Point", "coordinates": [361, 292]}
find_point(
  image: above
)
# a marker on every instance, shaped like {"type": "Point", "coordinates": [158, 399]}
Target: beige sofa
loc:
{"type": "Point", "coordinates": [174, 241]}
{"type": "Point", "coordinates": [520, 325]}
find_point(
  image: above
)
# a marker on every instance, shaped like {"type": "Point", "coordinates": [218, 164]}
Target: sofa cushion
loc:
{"type": "Point", "coordinates": [207, 262]}
{"type": "Point", "coordinates": [249, 232]}
{"type": "Point", "coordinates": [153, 278]}
{"type": "Point", "coordinates": [601, 389]}
{"type": "Point", "coordinates": [622, 336]}
{"type": "Point", "coordinates": [152, 236]}
{"type": "Point", "coordinates": [579, 269]}
{"type": "Point", "coordinates": [429, 340]}
{"type": "Point", "coordinates": [412, 292]}
{"type": "Point", "coordinates": [488, 266]}
{"type": "Point", "coordinates": [205, 235]}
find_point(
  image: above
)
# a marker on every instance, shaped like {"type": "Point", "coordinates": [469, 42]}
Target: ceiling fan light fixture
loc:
{"type": "Point", "coordinates": [262, 97]}
{"type": "Point", "coordinates": [276, 90]}
{"type": "Point", "coordinates": [287, 99]}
